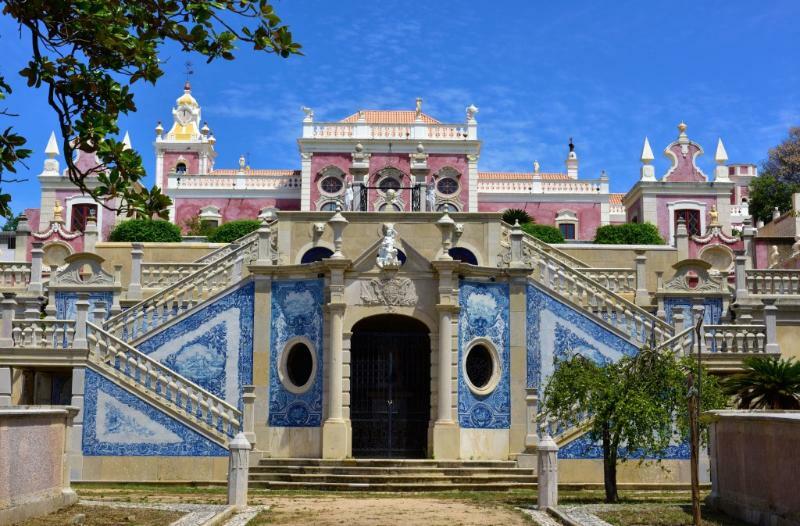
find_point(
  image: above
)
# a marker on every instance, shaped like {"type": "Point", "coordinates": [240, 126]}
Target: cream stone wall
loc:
{"type": "Point", "coordinates": [295, 442]}
{"type": "Point", "coordinates": [789, 340]}
{"type": "Point", "coordinates": [157, 468]}
{"type": "Point", "coordinates": [484, 444]}
{"type": "Point", "coordinates": [579, 471]}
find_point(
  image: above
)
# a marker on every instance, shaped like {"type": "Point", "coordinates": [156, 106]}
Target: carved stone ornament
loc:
{"type": "Point", "coordinates": [72, 274]}
{"type": "Point", "coordinates": [694, 276]}
{"type": "Point", "coordinates": [389, 292]}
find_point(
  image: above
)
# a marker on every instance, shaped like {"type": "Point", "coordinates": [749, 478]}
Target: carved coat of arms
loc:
{"type": "Point", "coordinates": [392, 291]}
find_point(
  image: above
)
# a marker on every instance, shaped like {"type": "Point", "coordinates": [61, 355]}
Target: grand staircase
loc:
{"type": "Point", "coordinates": [389, 475]}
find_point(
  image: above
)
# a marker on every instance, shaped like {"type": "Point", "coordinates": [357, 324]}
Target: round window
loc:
{"type": "Point", "coordinates": [447, 186]}
{"type": "Point", "coordinates": [330, 206]}
{"type": "Point", "coordinates": [299, 365]}
{"type": "Point", "coordinates": [331, 185]}
{"type": "Point", "coordinates": [389, 183]}
{"type": "Point", "coordinates": [481, 369]}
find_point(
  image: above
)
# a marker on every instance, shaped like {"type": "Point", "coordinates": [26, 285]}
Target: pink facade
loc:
{"type": "Point", "coordinates": [685, 170]}
{"type": "Point", "coordinates": [680, 202]}
{"type": "Point", "coordinates": [230, 208]}
{"type": "Point", "coordinates": [589, 216]}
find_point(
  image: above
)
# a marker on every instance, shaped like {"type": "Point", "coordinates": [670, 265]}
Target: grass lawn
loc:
{"type": "Point", "coordinates": [103, 516]}
{"type": "Point", "coordinates": [663, 515]}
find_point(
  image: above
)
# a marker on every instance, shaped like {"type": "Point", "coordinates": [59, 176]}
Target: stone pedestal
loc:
{"type": "Point", "coordinates": [446, 440]}
{"type": "Point", "coordinates": [547, 473]}
{"type": "Point", "coordinates": [238, 471]}
{"type": "Point", "coordinates": [335, 439]}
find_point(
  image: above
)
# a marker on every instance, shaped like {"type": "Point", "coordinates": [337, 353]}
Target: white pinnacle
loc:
{"type": "Point", "coordinates": [51, 150]}
{"type": "Point", "coordinates": [721, 156]}
{"type": "Point", "coordinates": [126, 141]}
{"type": "Point", "coordinates": [647, 152]}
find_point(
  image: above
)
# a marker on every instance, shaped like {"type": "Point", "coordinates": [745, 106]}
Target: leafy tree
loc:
{"type": "Point", "coordinates": [11, 223]}
{"type": "Point", "coordinates": [546, 233]}
{"type": "Point", "coordinates": [779, 179]}
{"type": "Point", "coordinates": [768, 193]}
{"type": "Point", "coordinates": [512, 215]}
{"type": "Point", "coordinates": [629, 234]}
{"type": "Point", "coordinates": [146, 230]}
{"type": "Point", "coordinates": [86, 55]}
{"type": "Point", "coordinates": [766, 383]}
{"type": "Point", "coordinates": [195, 227]}
{"type": "Point", "coordinates": [638, 404]}
{"type": "Point", "coordinates": [150, 203]}
{"type": "Point", "coordinates": [233, 230]}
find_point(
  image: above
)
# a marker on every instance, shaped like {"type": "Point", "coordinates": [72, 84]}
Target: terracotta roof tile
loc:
{"type": "Point", "coordinates": [250, 171]}
{"type": "Point", "coordinates": [390, 117]}
{"type": "Point", "coordinates": [520, 175]}
{"type": "Point", "coordinates": [615, 199]}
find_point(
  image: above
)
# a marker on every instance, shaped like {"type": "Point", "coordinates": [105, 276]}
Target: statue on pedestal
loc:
{"type": "Point", "coordinates": [430, 196]}
{"type": "Point", "coordinates": [348, 197]}
{"type": "Point", "coordinates": [387, 254]}
{"type": "Point", "coordinates": [713, 217]}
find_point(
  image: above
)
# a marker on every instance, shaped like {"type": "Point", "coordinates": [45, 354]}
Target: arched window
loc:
{"type": "Point", "coordinates": [180, 168]}
{"type": "Point", "coordinates": [447, 207]}
{"type": "Point", "coordinates": [389, 183]}
{"type": "Point", "coordinates": [389, 207]}
{"type": "Point", "coordinates": [463, 255]}
{"type": "Point", "coordinates": [329, 206]}
{"type": "Point", "coordinates": [316, 254]}
{"type": "Point", "coordinates": [81, 212]}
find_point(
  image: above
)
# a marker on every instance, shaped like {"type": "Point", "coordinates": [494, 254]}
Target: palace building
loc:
{"type": "Point", "coordinates": [383, 309]}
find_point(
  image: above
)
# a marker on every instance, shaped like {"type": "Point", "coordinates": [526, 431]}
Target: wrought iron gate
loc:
{"type": "Point", "coordinates": [390, 394]}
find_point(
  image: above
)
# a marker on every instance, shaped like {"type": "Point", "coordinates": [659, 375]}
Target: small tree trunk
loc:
{"type": "Point", "coordinates": [609, 466]}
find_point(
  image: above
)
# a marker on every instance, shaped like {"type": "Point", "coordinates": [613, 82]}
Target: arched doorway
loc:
{"type": "Point", "coordinates": [390, 378]}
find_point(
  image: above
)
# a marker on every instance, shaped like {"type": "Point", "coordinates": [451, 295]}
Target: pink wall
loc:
{"type": "Point", "coordinates": [686, 171]}
{"type": "Point", "coordinates": [459, 163]}
{"type": "Point", "coordinates": [319, 162]}
{"type": "Point", "coordinates": [230, 208]}
{"type": "Point", "coordinates": [171, 159]}
{"type": "Point", "coordinates": [545, 214]}
{"type": "Point", "coordinates": [663, 215]}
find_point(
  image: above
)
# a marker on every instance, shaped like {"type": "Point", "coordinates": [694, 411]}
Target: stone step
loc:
{"type": "Point", "coordinates": [398, 463]}
{"type": "Point", "coordinates": [390, 487]}
{"type": "Point", "coordinates": [422, 478]}
{"type": "Point", "coordinates": [371, 470]}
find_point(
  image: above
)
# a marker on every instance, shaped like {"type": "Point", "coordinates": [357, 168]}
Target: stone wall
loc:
{"type": "Point", "coordinates": [754, 461]}
{"type": "Point", "coordinates": [34, 477]}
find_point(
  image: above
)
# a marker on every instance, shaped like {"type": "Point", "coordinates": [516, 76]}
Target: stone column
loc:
{"type": "Point", "coordinates": [8, 306]}
{"type": "Point", "coordinates": [115, 306]}
{"type": "Point", "coordinates": [528, 459]}
{"type": "Point", "coordinates": [334, 430]}
{"type": "Point", "coordinates": [518, 358]}
{"type": "Point", "coordinates": [547, 473]}
{"type": "Point", "coordinates": [642, 296]}
{"type": "Point", "coordinates": [682, 240]}
{"type": "Point", "coordinates": [5, 386]}
{"type": "Point", "coordinates": [69, 419]}
{"type": "Point", "coordinates": [248, 413]}
{"type": "Point", "coordinates": [99, 313]}
{"type": "Point", "coordinates": [446, 435]}
{"type": "Point", "coordinates": [37, 255]}
{"type": "Point", "coordinates": [698, 312]}
{"type": "Point", "coordinates": [740, 276]}
{"type": "Point", "coordinates": [135, 283]}
{"type": "Point", "coordinates": [81, 317]}
{"type": "Point", "coordinates": [90, 235]}
{"type": "Point", "coordinates": [748, 239]}
{"type": "Point", "coordinates": [238, 471]}
{"type": "Point", "coordinates": [76, 430]}
{"type": "Point", "coordinates": [22, 235]}
{"type": "Point", "coordinates": [771, 326]}
{"type": "Point", "coordinates": [264, 245]}
{"type": "Point", "coordinates": [516, 246]}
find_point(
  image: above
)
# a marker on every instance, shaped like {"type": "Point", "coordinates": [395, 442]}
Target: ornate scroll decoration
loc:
{"type": "Point", "coordinates": [72, 275]}
{"type": "Point", "coordinates": [694, 277]}
{"type": "Point", "coordinates": [392, 292]}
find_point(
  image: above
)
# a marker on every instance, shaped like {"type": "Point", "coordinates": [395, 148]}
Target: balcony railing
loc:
{"type": "Point", "coordinates": [233, 182]}
{"type": "Point", "coordinates": [417, 131]}
{"type": "Point", "coordinates": [539, 186]}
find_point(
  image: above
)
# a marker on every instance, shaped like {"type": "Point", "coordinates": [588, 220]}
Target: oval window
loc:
{"type": "Point", "coordinates": [299, 364]}
{"type": "Point", "coordinates": [479, 366]}
{"type": "Point", "coordinates": [331, 185]}
{"type": "Point", "coordinates": [447, 186]}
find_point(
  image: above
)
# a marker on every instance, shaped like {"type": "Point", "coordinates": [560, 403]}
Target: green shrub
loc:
{"type": "Point", "coordinates": [233, 230]}
{"type": "Point", "coordinates": [629, 234]}
{"type": "Point", "coordinates": [512, 215]}
{"type": "Point", "coordinates": [146, 230]}
{"type": "Point", "coordinates": [546, 233]}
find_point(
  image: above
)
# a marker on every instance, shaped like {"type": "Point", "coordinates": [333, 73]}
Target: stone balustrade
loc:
{"type": "Point", "coordinates": [236, 182]}
{"type": "Point", "coordinates": [223, 251]}
{"type": "Point", "coordinates": [132, 367]}
{"type": "Point", "coordinates": [14, 275]}
{"type": "Point", "coordinates": [772, 282]}
{"type": "Point", "coordinates": [158, 275]}
{"type": "Point", "coordinates": [740, 339]}
{"type": "Point", "coordinates": [182, 295]}
{"type": "Point", "coordinates": [43, 334]}
{"type": "Point", "coordinates": [416, 131]}
{"type": "Point", "coordinates": [542, 186]}
{"type": "Point", "coordinates": [614, 279]}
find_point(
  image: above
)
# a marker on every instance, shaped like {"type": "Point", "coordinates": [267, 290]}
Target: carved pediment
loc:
{"type": "Point", "coordinates": [83, 269]}
{"type": "Point", "coordinates": [692, 275]}
{"type": "Point", "coordinates": [393, 292]}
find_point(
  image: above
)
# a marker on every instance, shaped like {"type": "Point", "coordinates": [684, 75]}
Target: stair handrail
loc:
{"type": "Point", "coordinates": [193, 401]}
{"type": "Point", "coordinates": [677, 344]}
{"type": "Point", "coordinates": [212, 256]}
{"type": "Point", "coordinates": [661, 327]}
{"type": "Point", "coordinates": [556, 252]}
{"type": "Point", "coordinates": [140, 309]}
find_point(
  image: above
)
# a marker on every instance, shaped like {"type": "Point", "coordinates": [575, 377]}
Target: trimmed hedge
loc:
{"type": "Point", "coordinates": [233, 230]}
{"type": "Point", "coordinates": [629, 234]}
{"type": "Point", "coordinates": [513, 215]}
{"type": "Point", "coordinates": [546, 233]}
{"type": "Point", "coordinates": [146, 231]}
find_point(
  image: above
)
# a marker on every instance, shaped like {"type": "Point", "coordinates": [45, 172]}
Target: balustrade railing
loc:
{"type": "Point", "coordinates": [614, 279]}
{"type": "Point", "coordinates": [363, 130]}
{"type": "Point", "coordinates": [738, 339]}
{"type": "Point", "coordinates": [157, 275]}
{"type": "Point", "coordinates": [773, 282]}
{"type": "Point", "coordinates": [680, 344]}
{"type": "Point", "coordinates": [234, 182]}
{"type": "Point", "coordinates": [537, 186]}
{"type": "Point", "coordinates": [43, 334]}
{"type": "Point", "coordinates": [221, 252]}
{"type": "Point", "coordinates": [14, 275]}
{"type": "Point", "coordinates": [182, 295]}
{"type": "Point", "coordinates": [192, 402]}
{"type": "Point", "coordinates": [555, 253]}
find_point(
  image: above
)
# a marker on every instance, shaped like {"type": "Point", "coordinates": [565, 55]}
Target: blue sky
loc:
{"type": "Point", "coordinates": [605, 73]}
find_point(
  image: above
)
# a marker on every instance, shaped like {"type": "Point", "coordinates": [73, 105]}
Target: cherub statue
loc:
{"type": "Point", "coordinates": [713, 216]}
{"type": "Point", "coordinates": [348, 197]}
{"type": "Point", "coordinates": [430, 196]}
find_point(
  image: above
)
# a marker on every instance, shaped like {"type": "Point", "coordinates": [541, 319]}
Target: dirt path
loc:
{"type": "Point", "coordinates": [372, 511]}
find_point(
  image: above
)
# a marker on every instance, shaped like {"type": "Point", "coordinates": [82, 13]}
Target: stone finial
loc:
{"type": "Point", "coordinates": [721, 157]}
{"type": "Point", "coordinates": [308, 112]}
{"type": "Point", "coordinates": [472, 110]}
{"type": "Point", "coordinates": [205, 130]}
{"type": "Point", "coordinates": [126, 141]}
{"type": "Point", "coordinates": [51, 150]}
{"type": "Point", "coordinates": [242, 163]}
{"type": "Point", "coordinates": [648, 171]}
{"type": "Point", "coordinates": [535, 166]}
{"type": "Point", "coordinates": [338, 223]}
{"type": "Point", "coordinates": [572, 161]}
{"type": "Point", "coordinates": [418, 109]}
{"type": "Point", "coordinates": [647, 152]}
{"type": "Point", "coordinates": [682, 129]}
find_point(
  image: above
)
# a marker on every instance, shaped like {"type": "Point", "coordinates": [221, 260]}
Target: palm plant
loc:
{"type": "Point", "coordinates": [766, 383]}
{"type": "Point", "coordinates": [512, 215]}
